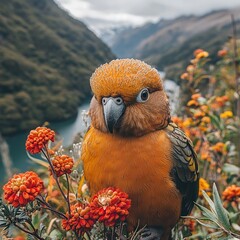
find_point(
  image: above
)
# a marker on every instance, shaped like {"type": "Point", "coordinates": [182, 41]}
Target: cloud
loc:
{"type": "Point", "coordinates": [106, 13]}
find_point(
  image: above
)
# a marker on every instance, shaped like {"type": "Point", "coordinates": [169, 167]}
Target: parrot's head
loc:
{"type": "Point", "coordinates": [129, 99]}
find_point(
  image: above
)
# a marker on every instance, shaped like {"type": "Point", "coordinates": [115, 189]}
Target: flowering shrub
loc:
{"type": "Point", "coordinates": [78, 213]}
{"type": "Point", "coordinates": [211, 120]}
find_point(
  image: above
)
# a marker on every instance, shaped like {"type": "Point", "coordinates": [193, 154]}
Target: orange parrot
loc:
{"type": "Point", "coordinates": [133, 145]}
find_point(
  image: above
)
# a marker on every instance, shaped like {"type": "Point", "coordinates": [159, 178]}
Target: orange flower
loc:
{"type": "Point", "coordinates": [192, 103]}
{"type": "Point", "coordinates": [22, 188]}
{"type": "Point", "coordinates": [202, 54]}
{"type": "Point", "coordinates": [204, 108]}
{"type": "Point", "coordinates": [219, 147]}
{"type": "Point", "coordinates": [196, 96]}
{"type": "Point", "coordinates": [231, 194]}
{"type": "Point", "coordinates": [206, 119]}
{"type": "Point", "coordinates": [62, 164]}
{"type": "Point", "coordinates": [178, 121]}
{"type": "Point", "coordinates": [80, 220]}
{"type": "Point", "coordinates": [225, 98]}
{"type": "Point", "coordinates": [184, 76]}
{"type": "Point", "coordinates": [199, 114]}
{"type": "Point", "coordinates": [220, 101]}
{"type": "Point", "coordinates": [38, 138]}
{"type": "Point", "coordinates": [110, 206]}
{"type": "Point", "coordinates": [190, 68]}
{"type": "Point", "coordinates": [204, 185]}
{"type": "Point", "coordinates": [19, 238]}
{"type": "Point", "coordinates": [222, 53]}
{"type": "Point", "coordinates": [197, 51]}
{"type": "Point", "coordinates": [191, 224]}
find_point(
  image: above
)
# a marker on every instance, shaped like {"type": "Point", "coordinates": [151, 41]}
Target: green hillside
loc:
{"type": "Point", "coordinates": [46, 59]}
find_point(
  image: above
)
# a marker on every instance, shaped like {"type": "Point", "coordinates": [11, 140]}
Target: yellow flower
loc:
{"type": "Point", "coordinates": [187, 122]}
{"type": "Point", "coordinates": [226, 114]}
{"type": "Point", "coordinates": [203, 54]}
{"type": "Point", "coordinates": [204, 185]}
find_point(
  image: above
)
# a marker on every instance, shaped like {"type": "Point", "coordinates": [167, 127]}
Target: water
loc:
{"type": "Point", "coordinates": [67, 129]}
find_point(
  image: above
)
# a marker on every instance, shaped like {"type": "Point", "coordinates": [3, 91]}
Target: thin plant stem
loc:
{"type": "Point", "coordinates": [88, 235]}
{"type": "Point", "coordinates": [68, 186]}
{"type": "Point", "coordinates": [54, 175]}
{"type": "Point", "coordinates": [28, 232]}
{"type": "Point", "coordinates": [48, 207]}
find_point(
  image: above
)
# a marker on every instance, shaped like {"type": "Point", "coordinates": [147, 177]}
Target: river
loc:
{"type": "Point", "coordinates": [67, 129]}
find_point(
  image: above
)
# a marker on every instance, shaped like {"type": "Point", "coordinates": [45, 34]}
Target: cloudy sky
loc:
{"type": "Point", "coordinates": [107, 13]}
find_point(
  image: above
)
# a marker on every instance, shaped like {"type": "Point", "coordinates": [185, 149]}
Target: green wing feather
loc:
{"type": "Point", "coordinates": [185, 168]}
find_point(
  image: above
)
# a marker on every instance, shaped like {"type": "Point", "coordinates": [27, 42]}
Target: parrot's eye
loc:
{"type": "Point", "coordinates": [143, 96]}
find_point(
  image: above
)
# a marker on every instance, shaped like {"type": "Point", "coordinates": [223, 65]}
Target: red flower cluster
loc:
{"type": "Point", "coordinates": [110, 205]}
{"type": "Point", "coordinates": [62, 164]}
{"type": "Point", "coordinates": [38, 138]}
{"type": "Point", "coordinates": [80, 220]}
{"type": "Point", "coordinates": [22, 188]}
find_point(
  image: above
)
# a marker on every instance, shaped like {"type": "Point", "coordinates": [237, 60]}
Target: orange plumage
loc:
{"type": "Point", "coordinates": [132, 146]}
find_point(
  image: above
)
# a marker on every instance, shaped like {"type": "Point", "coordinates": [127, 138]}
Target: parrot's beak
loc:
{"type": "Point", "coordinates": [113, 109]}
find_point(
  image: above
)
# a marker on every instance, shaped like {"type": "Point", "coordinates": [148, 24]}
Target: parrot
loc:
{"type": "Point", "coordinates": [132, 144]}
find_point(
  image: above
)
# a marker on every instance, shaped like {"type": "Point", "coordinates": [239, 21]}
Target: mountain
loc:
{"type": "Point", "coordinates": [168, 44]}
{"type": "Point", "coordinates": [46, 59]}
{"type": "Point", "coordinates": [107, 34]}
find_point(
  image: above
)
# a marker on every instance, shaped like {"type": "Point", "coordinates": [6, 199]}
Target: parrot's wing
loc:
{"type": "Point", "coordinates": [185, 168]}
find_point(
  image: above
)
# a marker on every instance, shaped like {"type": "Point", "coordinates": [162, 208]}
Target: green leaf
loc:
{"type": "Point", "coordinates": [195, 236]}
{"type": "Point", "coordinates": [207, 213]}
{"type": "Point", "coordinates": [215, 235]}
{"type": "Point", "coordinates": [209, 201]}
{"type": "Point", "coordinates": [216, 121]}
{"type": "Point", "coordinates": [221, 212]}
{"type": "Point", "coordinates": [227, 238]}
{"type": "Point", "coordinates": [3, 223]}
{"type": "Point", "coordinates": [230, 168]}
{"type": "Point", "coordinates": [236, 227]}
{"type": "Point", "coordinates": [36, 220]}
{"type": "Point", "coordinates": [38, 161]}
{"type": "Point", "coordinates": [208, 225]}
{"type": "Point", "coordinates": [55, 235]}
